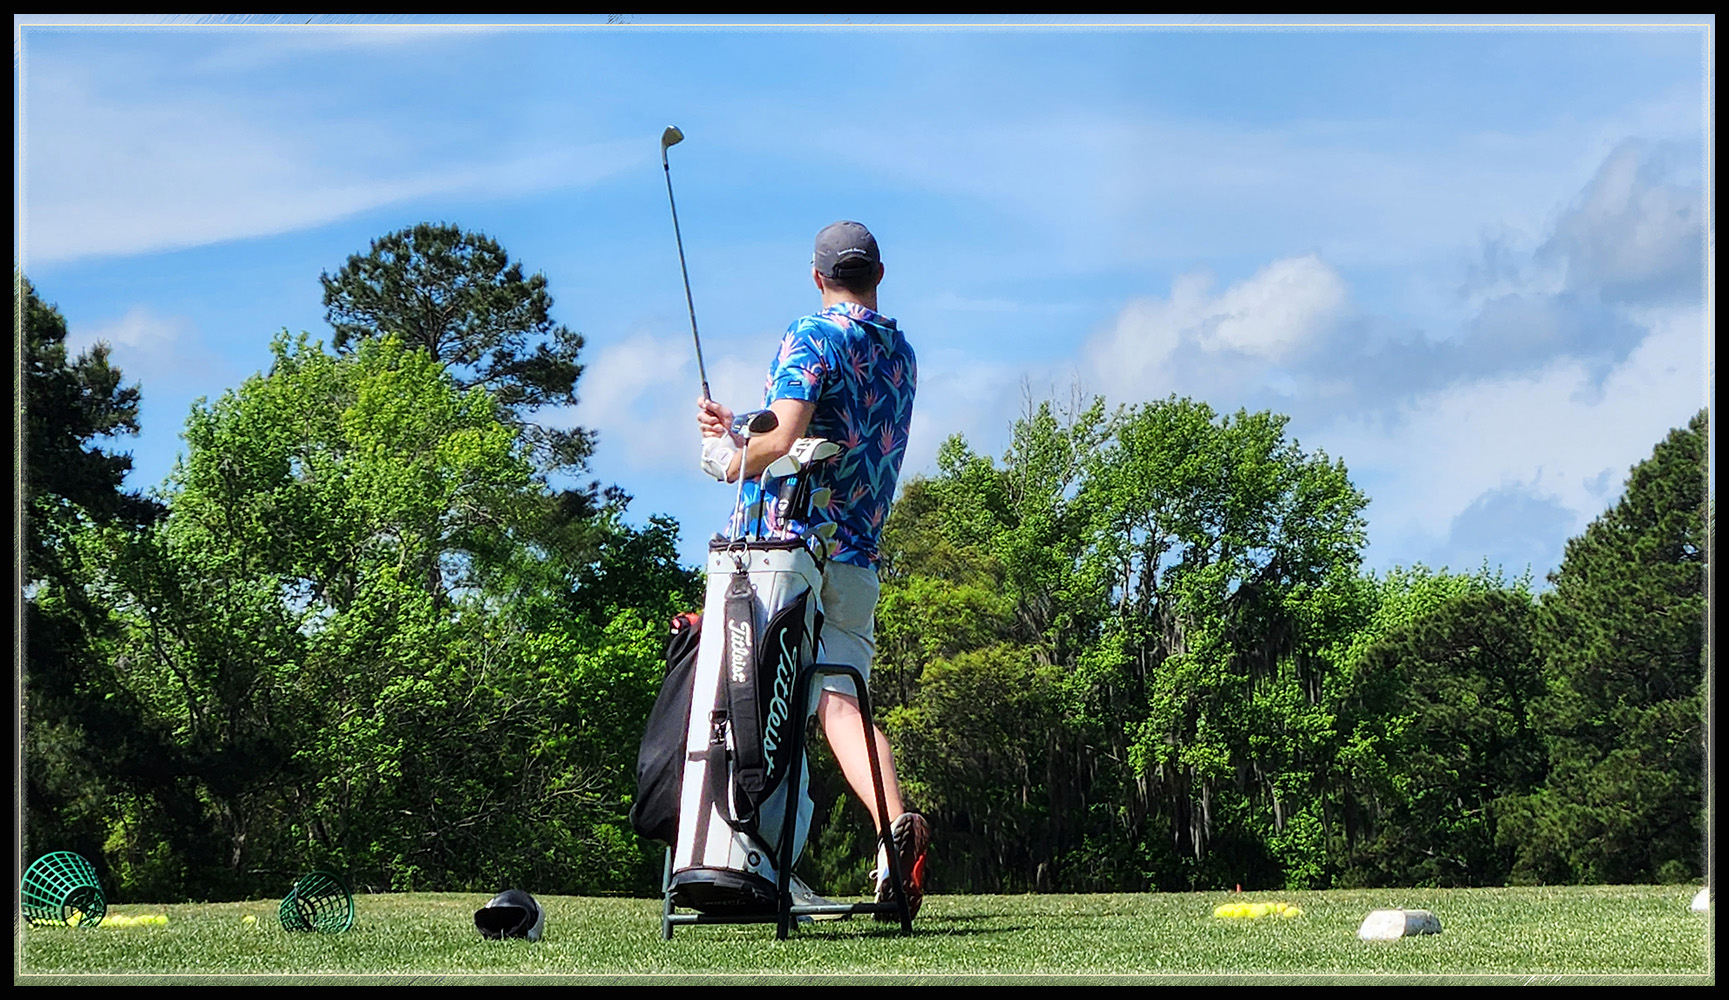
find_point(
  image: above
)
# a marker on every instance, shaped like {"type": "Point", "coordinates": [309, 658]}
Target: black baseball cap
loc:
{"type": "Point", "coordinates": [845, 250]}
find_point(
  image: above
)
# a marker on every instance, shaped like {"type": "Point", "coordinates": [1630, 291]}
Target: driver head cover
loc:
{"type": "Point", "coordinates": [511, 913]}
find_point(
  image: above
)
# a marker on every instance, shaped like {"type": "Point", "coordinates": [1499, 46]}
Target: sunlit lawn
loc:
{"type": "Point", "coordinates": [1646, 932]}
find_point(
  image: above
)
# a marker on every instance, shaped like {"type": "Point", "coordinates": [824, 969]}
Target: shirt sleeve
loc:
{"type": "Point", "coordinates": [802, 364]}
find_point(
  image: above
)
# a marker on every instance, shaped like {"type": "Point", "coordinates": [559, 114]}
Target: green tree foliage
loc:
{"type": "Point", "coordinates": [1168, 583]}
{"type": "Point", "coordinates": [79, 746]}
{"type": "Point", "coordinates": [976, 587]}
{"type": "Point", "coordinates": [1451, 690]}
{"type": "Point", "coordinates": [70, 406]}
{"type": "Point", "coordinates": [356, 625]}
{"type": "Point", "coordinates": [1224, 542]}
{"type": "Point", "coordinates": [458, 296]}
{"type": "Point", "coordinates": [1622, 645]}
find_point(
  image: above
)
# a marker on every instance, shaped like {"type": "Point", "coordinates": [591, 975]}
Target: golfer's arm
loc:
{"type": "Point", "coordinates": [764, 449]}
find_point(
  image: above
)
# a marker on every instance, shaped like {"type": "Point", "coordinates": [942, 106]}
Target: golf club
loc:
{"type": "Point", "coordinates": [672, 137]}
{"type": "Point", "coordinates": [800, 465]}
{"type": "Point", "coordinates": [763, 509]}
{"type": "Point", "coordinates": [747, 426]}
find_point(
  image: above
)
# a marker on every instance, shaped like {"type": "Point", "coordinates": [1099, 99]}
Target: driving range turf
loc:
{"type": "Point", "coordinates": [1644, 933]}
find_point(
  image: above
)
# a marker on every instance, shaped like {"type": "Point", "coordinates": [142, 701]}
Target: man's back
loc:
{"type": "Point", "coordinates": [861, 373]}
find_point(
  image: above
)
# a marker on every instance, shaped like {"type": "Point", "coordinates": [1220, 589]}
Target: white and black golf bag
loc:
{"type": "Point", "coordinates": [760, 625]}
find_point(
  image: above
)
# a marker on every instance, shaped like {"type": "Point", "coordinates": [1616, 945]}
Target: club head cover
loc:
{"type": "Point", "coordinates": [512, 913]}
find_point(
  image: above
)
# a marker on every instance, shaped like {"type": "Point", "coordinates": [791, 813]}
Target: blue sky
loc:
{"type": "Point", "coordinates": [1472, 262]}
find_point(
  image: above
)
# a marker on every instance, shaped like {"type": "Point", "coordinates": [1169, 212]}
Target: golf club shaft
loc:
{"type": "Point", "coordinates": [700, 370]}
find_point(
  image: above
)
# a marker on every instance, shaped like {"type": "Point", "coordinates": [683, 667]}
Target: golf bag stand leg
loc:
{"type": "Point", "coordinates": [885, 835]}
{"type": "Point", "coordinates": [666, 898]}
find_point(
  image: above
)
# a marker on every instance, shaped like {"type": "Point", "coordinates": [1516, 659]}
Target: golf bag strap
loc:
{"type": "Point", "coordinates": [750, 768]}
{"type": "Point", "coordinates": [714, 773]}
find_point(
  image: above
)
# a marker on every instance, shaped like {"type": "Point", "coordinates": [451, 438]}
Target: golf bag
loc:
{"type": "Point", "coordinates": [760, 625]}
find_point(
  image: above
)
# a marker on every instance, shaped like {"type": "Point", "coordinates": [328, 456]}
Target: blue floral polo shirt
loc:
{"type": "Point", "coordinates": [860, 372]}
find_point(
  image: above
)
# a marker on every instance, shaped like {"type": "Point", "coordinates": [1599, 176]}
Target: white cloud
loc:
{"type": "Point", "coordinates": [140, 329]}
{"type": "Point", "coordinates": [1271, 314]}
{"type": "Point", "coordinates": [1528, 414]}
{"type": "Point", "coordinates": [1634, 231]}
{"type": "Point", "coordinates": [959, 393]}
{"type": "Point", "coordinates": [164, 354]}
{"type": "Point", "coordinates": [1556, 434]}
{"type": "Point", "coordinates": [1268, 317]}
{"type": "Point", "coordinates": [640, 395]}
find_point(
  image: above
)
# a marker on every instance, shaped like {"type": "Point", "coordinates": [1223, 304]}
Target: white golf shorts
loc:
{"type": "Point", "coordinates": [849, 606]}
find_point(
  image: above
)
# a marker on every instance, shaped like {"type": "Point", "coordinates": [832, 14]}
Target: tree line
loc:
{"type": "Point", "coordinates": [1140, 651]}
{"type": "Point", "coordinates": [362, 627]}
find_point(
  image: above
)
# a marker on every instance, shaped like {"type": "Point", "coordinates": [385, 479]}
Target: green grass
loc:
{"type": "Point", "coordinates": [1643, 932]}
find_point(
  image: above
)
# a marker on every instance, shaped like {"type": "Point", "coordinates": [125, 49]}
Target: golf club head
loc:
{"type": "Point", "coordinates": [784, 466]}
{"type": "Point", "coordinates": [812, 449]}
{"type": "Point", "coordinates": [671, 137]}
{"type": "Point", "coordinates": [749, 425]}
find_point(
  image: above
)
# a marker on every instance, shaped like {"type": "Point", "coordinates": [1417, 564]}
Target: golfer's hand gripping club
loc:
{"type": "Point", "coordinates": [719, 444]}
{"type": "Point", "coordinates": [726, 434]}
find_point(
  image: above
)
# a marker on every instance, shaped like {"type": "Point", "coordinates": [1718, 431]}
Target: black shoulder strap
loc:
{"type": "Point", "coordinates": [749, 768]}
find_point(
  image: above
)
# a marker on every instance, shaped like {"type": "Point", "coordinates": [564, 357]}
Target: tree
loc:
{"type": "Point", "coordinates": [72, 483]}
{"type": "Point", "coordinates": [1225, 545]}
{"type": "Point", "coordinates": [1170, 585]}
{"type": "Point", "coordinates": [351, 632]}
{"type": "Point", "coordinates": [1621, 637]}
{"type": "Point", "coordinates": [980, 616]}
{"type": "Point", "coordinates": [70, 405]}
{"type": "Point", "coordinates": [458, 296]}
{"type": "Point", "coordinates": [89, 746]}
{"type": "Point", "coordinates": [1454, 687]}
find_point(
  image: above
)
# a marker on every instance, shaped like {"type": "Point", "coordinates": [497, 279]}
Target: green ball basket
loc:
{"type": "Point", "coordinates": [320, 902]}
{"type": "Point", "coordinates": [61, 888]}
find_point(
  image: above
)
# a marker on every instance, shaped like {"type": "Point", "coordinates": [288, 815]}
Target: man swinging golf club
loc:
{"type": "Point", "coordinates": [845, 374]}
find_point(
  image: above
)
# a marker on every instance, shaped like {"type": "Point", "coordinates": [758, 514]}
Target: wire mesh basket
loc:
{"type": "Point", "coordinates": [319, 901]}
{"type": "Point", "coordinates": [61, 888]}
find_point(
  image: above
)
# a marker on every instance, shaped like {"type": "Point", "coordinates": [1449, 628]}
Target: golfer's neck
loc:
{"type": "Point", "coordinates": [835, 298]}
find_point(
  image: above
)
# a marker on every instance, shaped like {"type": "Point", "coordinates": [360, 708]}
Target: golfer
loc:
{"type": "Point", "coordinates": [845, 374]}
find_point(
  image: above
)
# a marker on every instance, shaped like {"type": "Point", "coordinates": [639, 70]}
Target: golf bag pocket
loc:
{"type": "Point", "coordinates": [759, 627]}
{"type": "Point", "coordinates": [660, 760]}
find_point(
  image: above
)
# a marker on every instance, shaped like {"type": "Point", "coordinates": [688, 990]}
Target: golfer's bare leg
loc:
{"type": "Point", "coordinates": [842, 724]}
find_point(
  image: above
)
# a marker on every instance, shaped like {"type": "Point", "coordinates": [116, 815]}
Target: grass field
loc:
{"type": "Point", "coordinates": [1643, 933]}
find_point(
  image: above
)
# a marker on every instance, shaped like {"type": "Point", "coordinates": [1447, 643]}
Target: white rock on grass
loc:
{"type": "Point", "coordinates": [1702, 901]}
{"type": "Point", "coordinates": [1390, 925]}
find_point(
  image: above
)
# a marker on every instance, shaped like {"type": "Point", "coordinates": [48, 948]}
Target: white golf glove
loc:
{"type": "Point", "coordinates": [717, 453]}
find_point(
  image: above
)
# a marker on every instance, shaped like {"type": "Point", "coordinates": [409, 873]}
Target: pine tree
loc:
{"type": "Point", "coordinates": [1622, 641]}
{"type": "Point", "coordinates": [458, 296]}
{"type": "Point", "coordinates": [79, 746]}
